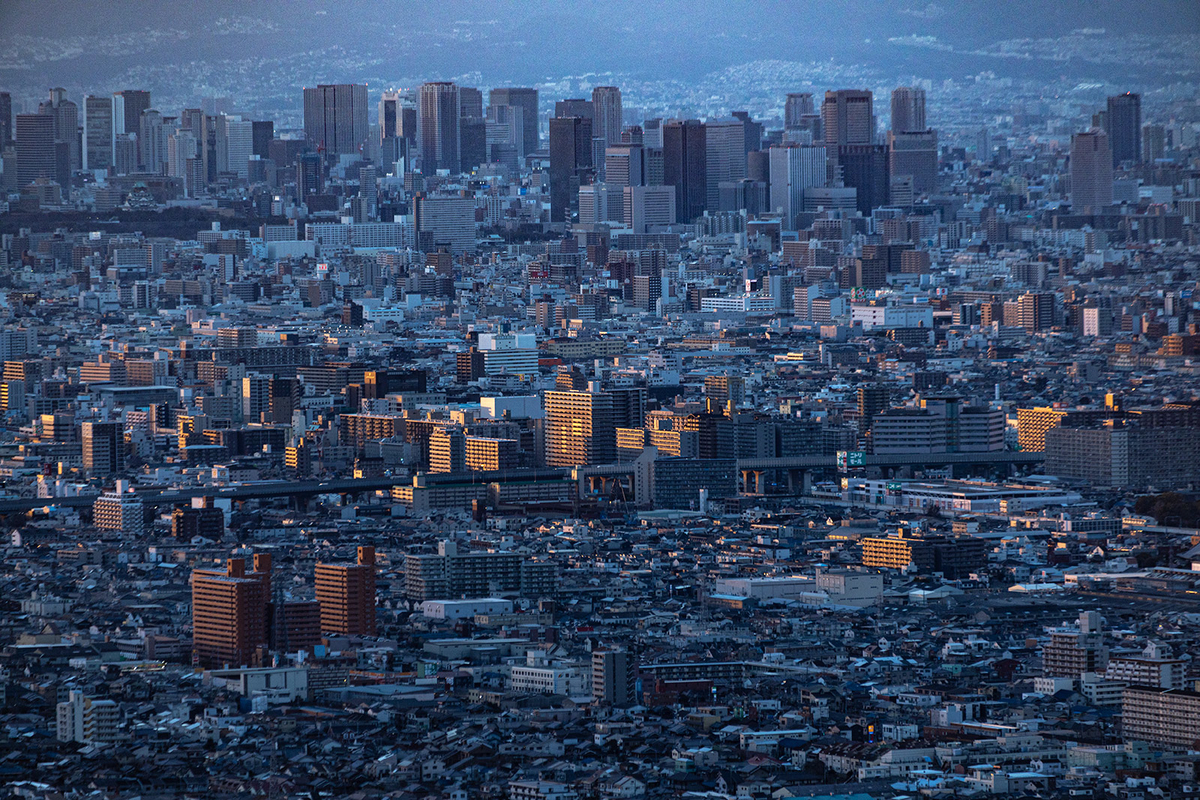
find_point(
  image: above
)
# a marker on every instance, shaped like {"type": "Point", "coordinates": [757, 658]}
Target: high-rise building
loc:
{"type": "Point", "coordinates": [389, 115]}
{"type": "Point", "coordinates": [37, 156]}
{"type": "Point", "coordinates": [470, 102]}
{"type": "Point", "coordinates": [914, 154]}
{"type": "Point", "coordinates": [447, 450]}
{"type": "Point", "coordinates": [725, 159]}
{"type": "Point", "coordinates": [263, 134]}
{"type": "Point", "coordinates": [6, 120]}
{"type": "Point", "coordinates": [864, 167]}
{"type": "Point", "coordinates": [235, 145]}
{"type": "Point", "coordinates": [575, 107]}
{"type": "Point", "coordinates": [848, 118]}
{"type": "Point", "coordinates": [570, 164]}
{"type": "Point", "coordinates": [151, 144]}
{"type": "Point", "coordinates": [1091, 172]}
{"type": "Point", "coordinates": [346, 593]}
{"type": "Point", "coordinates": [88, 720]}
{"type": "Point", "coordinates": [451, 574]}
{"type": "Point", "coordinates": [98, 132]}
{"type": "Point", "coordinates": [103, 447]}
{"type": "Point", "coordinates": [794, 168]}
{"type": "Point", "coordinates": [230, 612]}
{"type": "Point", "coordinates": [438, 127]}
{"type": "Point", "coordinates": [579, 429]}
{"type": "Point", "coordinates": [1075, 650]}
{"type": "Point", "coordinates": [685, 166]}
{"type": "Point", "coordinates": [1123, 123]}
{"type": "Point", "coordinates": [908, 110]}
{"type": "Point", "coordinates": [335, 117]}
{"type": "Point", "coordinates": [66, 123]}
{"type": "Point", "coordinates": [527, 101]}
{"type": "Point", "coordinates": [120, 510]}
{"type": "Point", "coordinates": [1166, 718]}
{"type": "Point", "coordinates": [128, 107]}
{"type": "Point", "coordinates": [797, 106]}
{"type": "Point", "coordinates": [1036, 311]}
{"type": "Point", "coordinates": [624, 165]}
{"type": "Point", "coordinates": [613, 676]}
{"type": "Point", "coordinates": [606, 111]}
{"type": "Point", "coordinates": [647, 206]}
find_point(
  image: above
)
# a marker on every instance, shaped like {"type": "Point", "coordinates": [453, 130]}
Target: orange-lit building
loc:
{"type": "Point", "coordinates": [346, 593]}
{"type": "Point", "coordinates": [230, 612]}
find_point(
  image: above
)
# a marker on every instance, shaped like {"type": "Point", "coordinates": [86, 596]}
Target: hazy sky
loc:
{"type": "Point", "coordinates": [84, 43]}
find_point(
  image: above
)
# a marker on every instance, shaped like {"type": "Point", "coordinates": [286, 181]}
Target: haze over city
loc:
{"type": "Point", "coordinates": [626, 401]}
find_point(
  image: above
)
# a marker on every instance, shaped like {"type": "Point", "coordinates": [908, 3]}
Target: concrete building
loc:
{"type": "Point", "coordinates": [346, 593]}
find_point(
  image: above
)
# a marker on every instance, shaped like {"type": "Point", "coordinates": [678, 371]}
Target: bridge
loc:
{"type": "Point", "coordinates": [751, 469]}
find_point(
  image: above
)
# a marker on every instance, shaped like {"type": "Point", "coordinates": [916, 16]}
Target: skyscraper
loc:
{"type": "Point", "coordinates": [865, 168]}
{"type": "Point", "coordinates": [389, 108]}
{"type": "Point", "coordinates": [606, 110]}
{"type": "Point", "coordinates": [66, 123]}
{"type": "Point", "coordinates": [1091, 172]}
{"type": "Point", "coordinates": [6, 120]}
{"type": "Point", "coordinates": [98, 132]}
{"type": "Point", "coordinates": [624, 165]}
{"type": "Point", "coordinates": [725, 159]}
{"type": "Point", "coordinates": [685, 166]}
{"type": "Point", "coordinates": [570, 164]}
{"type": "Point", "coordinates": [848, 118]}
{"type": "Point", "coordinates": [908, 110]}
{"type": "Point", "coordinates": [151, 149]}
{"type": "Point", "coordinates": [263, 133]}
{"type": "Point", "coordinates": [914, 153]}
{"type": "Point", "coordinates": [128, 106]}
{"type": "Point", "coordinates": [527, 101]}
{"type": "Point", "coordinates": [1124, 128]}
{"type": "Point", "coordinates": [579, 429]}
{"type": "Point", "coordinates": [575, 107]}
{"type": "Point", "coordinates": [797, 106]}
{"type": "Point", "coordinates": [794, 168]}
{"type": "Point", "coordinates": [230, 612]}
{"type": "Point", "coordinates": [36, 153]}
{"type": "Point", "coordinates": [335, 117]}
{"type": "Point", "coordinates": [438, 127]}
{"type": "Point", "coordinates": [346, 593]}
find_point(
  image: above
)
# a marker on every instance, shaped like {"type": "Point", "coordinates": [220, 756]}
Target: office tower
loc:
{"type": "Point", "coordinates": [753, 131]}
{"type": "Point", "coordinates": [235, 145]}
{"type": "Point", "coordinates": [1091, 172]}
{"type": "Point", "coordinates": [6, 120]}
{"type": "Point", "coordinates": [1154, 143]}
{"type": "Point", "coordinates": [570, 164]}
{"type": "Point", "coordinates": [872, 400]}
{"type": "Point", "coordinates": [624, 165]}
{"type": "Point", "coordinates": [66, 123]}
{"type": "Point", "coordinates": [652, 133]}
{"type": "Point", "coordinates": [37, 156]}
{"type": "Point", "coordinates": [794, 168]}
{"type": "Point", "coordinates": [527, 101]}
{"type": "Point", "coordinates": [645, 207]}
{"type": "Point", "coordinates": [606, 110]}
{"type": "Point", "coordinates": [389, 115]}
{"type": "Point", "coordinates": [310, 175]}
{"type": "Point", "coordinates": [504, 134]}
{"type": "Point", "coordinates": [1124, 128]}
{"type": "Point", "coordinates": [346, 593]}
{"type": "Point", "coordinates": [472, 143]}
{"type": "Point", "coordinates": [797, 106]}
{"type": "Point", "coordinates": [230, 612]}
{"type": "Point", "coordinates": [335, 117]}
{"type": "Point", "coordinates": [263, 133]}
{"type": "Point", "coordinates": [914, 154]}
{"type": "Point", "coordinates": [103, 447]}
{"type": "Point", "coordinates": [594, 204]}
{"type": "Point", "coordinates": [576, 107]}
{"type": "Point", "coordinates": [150, 142]}
{"type": "Point", "coordinates": [848, 118]}
{"type": "Point", "coordinates": [579, 429]}
{"type": "Point", "coordinates": [864, 167]}
{"type": "Point", "coordinates": [685, 157]}
{"type": "Point", "coordinates": [444, 221]}
{"type": "Point", "coordinates": [128, 107]}
{"type": "Point", "coordinates": [438, 127]}
{"type": "Point", "coordinates": [612, 678]}
{"type": "Point", "coordinates": [908, 110]}
{"type": "Point", "coordinates": [98, 132]}
{"type": "Point", "coordinates": [725, 159]}
{"type": "Point", "coordinates": [470, 102]}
